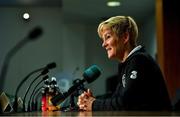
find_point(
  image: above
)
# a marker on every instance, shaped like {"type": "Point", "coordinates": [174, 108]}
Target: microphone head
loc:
{"type": "Point", "coordinates": [92, 73]}
{"type": "Point", "coordinates": [36, 32]}
{"type": "Point", "coordinates": [51, 65]}
{"type": "Point", "coordinates": [46, 82]}
{"type": "Point", "coordinates": [53, 81]}
{"type": "Point", "coordinates": [45, 77]}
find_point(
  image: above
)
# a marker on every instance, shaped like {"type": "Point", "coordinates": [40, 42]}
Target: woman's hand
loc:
{"type": "Point", "coordinates": [85, 101]}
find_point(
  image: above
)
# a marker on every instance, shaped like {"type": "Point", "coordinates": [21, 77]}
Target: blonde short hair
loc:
{"type": "Point", "coordinates": [120, 25]}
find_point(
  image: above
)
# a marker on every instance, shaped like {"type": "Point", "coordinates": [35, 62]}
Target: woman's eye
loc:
{"type": "Point", "coordinates": [107, 37]}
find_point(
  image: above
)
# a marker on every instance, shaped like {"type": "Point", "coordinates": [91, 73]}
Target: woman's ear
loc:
{"type": "Point", "coordinates": [126, 37]}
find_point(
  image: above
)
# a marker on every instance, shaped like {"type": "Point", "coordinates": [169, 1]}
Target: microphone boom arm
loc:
{"type": "Point", "coordinates": [7, 59]}
{"type": "Point", "coordinates": [20, 84]}
{"type": "Point", "coordinates": [24, 99]}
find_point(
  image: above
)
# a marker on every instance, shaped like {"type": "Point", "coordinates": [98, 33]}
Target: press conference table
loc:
{"type": "Point", "coordinates": [99, 113]}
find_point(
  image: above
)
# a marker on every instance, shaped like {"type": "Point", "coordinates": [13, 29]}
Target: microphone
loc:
{"type": "Point", "coordinates": [48, 66]}
{"type": "Point", "coordinates": [91, 74]}
{"type": "Point", "coordinates": [36, 32]}
{"type": "Point", "coordinates": [43, 69]}
{"type": "Point", "coordinates": [29, 102]}
{"type": "Point", "coordinates": [27, 90]}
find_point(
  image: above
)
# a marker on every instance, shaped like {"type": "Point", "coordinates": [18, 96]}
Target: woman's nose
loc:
{"type": "Point", "coordinates": [104, 44]}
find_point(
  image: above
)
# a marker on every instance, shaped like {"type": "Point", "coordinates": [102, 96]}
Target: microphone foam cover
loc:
{"type": "Point", "coordinates": [51, 65]}
{"type": "Point", "coordinates": [45, 77]}
{"type": "Point", "coordinates": [36, 32]}
{"type": "Point", "coordinates": [92, 73]}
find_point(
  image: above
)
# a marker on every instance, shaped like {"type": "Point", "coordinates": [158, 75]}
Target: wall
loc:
{"type": "Point", "coordinates": [149, 35]}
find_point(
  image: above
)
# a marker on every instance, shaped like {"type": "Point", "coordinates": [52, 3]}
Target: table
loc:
{"type": "Point", "coordinates": [98, 113]}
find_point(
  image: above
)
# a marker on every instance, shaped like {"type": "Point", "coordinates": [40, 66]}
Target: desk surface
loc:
{"type": "Point", "coordinates": [100, 113]}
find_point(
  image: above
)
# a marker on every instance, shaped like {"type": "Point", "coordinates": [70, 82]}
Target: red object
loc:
{"type": "Point", "coordinates": [44, 103]}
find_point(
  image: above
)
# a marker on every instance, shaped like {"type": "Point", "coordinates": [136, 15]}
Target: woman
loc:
{"type": "Point", "coordinates": [141, 85]}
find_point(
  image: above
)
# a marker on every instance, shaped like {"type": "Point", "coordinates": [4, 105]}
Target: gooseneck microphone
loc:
{"type": "Point", "coordinates": [27, 90]}
{"type": "Point", "coordinates": [48, 66]}
{"type": "Point", "coordinates": [91, 74]}
{"type": "Point", "coordinates": [33, 34]}
{"type": "Point", "coordinates": [29, 102]}
{"type": "Point", "coordinates": [43, 69]}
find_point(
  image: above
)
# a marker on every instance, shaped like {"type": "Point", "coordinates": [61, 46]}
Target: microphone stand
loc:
{"type": "Point", "coordinates": [5, 67]}
{"type": "Point", "coordinates": [29, 102]}
{"type": "Point", "coordinates": [15, 106]}
{"type": "Point", "coordinates": [24, 99]}
{"type": "Point", "coordinates": [7, 59]}
{"type": "Point", "coordinates": [48, 66]}
{"type": "Point", "coordinates": [72, 105]}
{"type": "Point", "coordinates": [31, 36]}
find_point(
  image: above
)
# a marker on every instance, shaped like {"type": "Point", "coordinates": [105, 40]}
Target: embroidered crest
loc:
{"type": "Point", "coordinates": [133, 75]}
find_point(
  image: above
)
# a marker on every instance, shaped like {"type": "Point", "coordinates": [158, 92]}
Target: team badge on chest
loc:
{"type": "Point", "coordinates": [133, 75]}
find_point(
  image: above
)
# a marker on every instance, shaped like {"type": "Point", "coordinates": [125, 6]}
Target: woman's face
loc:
{"type": "Point", "coordinates": [113, 44]}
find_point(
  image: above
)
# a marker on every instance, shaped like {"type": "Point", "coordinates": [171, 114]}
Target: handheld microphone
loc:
{"type": "Point", "coordinates": [29, 102]}
{"type": "Point", "coordinates": [91, 74]}
{"type": "Point", "coordinates": [43, 69]}
{"type": "Point", "coordinates": [36, 32]}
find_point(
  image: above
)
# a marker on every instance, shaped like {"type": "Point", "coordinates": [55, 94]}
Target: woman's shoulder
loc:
{"type": "Point", "coordinates": [141, 59]}
{"type": "Point", "coordinates": [140, 56]}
